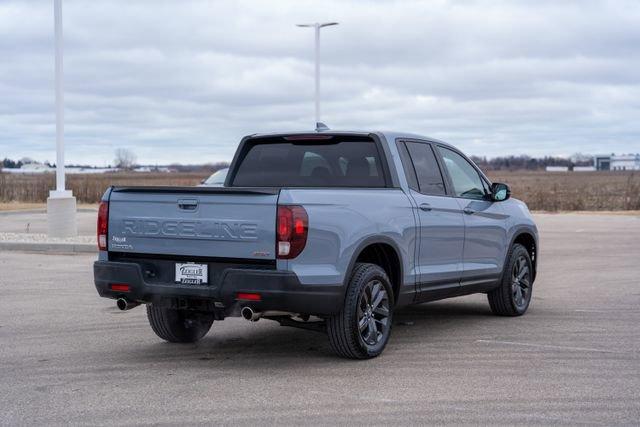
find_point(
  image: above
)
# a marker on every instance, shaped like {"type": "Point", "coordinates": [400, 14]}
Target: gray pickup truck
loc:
{"type": "Point", "coordinates": [328, 231]}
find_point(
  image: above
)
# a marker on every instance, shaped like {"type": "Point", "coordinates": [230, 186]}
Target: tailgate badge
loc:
{"type": "Point", "coordinates": [261, 253]}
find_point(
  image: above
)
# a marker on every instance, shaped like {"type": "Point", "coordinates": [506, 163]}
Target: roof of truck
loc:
{"type": "Point", "coordinates": [387, 134]}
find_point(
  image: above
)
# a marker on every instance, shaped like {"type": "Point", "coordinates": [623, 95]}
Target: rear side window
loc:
{"type": "Point", "coordinates": [427, 169]}
{"type": "Point", "coordinates": [337, 162]}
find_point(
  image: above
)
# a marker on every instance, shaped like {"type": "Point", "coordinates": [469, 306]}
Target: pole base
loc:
{"type": "Point", "coordinates": [61, 214]}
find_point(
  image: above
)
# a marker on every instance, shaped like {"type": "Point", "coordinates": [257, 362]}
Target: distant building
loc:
{"type": "Point", "coordinates": [624, 162]}
{"type": "Point", "coordinates": [30, 168]}
{"type": "Point", "coordinates": [602, 163]}
{"type": "Point", "coordinates": [557, 169]}
{"type": "Point", "coordinates": [584, 168]}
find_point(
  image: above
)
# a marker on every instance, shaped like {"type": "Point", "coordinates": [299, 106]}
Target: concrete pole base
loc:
{"type": "Point", "coordinates": [61, 214]}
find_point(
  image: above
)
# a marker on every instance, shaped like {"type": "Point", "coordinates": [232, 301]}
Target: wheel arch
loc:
{"type": "Point", "coordinates": [382, 251]}
{"type": "Point", "coordinates": [527, 238]}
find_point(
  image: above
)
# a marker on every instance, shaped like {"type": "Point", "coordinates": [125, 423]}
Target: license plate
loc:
{"type": "Point", "coordinates": [191, 274]}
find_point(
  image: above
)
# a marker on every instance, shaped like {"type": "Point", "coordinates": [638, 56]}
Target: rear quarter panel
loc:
{"type": "Point", "coordinates": [342, 222]}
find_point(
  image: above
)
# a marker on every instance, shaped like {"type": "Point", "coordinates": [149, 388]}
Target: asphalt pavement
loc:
{"type": "Point", "coordinates": [68, 356]}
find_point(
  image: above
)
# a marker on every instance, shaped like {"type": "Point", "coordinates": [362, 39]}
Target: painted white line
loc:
{"type": "Point", "coordinates": [554, 347]}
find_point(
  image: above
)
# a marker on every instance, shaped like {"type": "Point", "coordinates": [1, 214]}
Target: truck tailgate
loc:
{"type": "Point", "coordinates": [185, 221]}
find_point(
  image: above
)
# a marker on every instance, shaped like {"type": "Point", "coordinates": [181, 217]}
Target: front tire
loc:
{"type": "Point", "coordinates": [362, 328]}
{"type": "Point", "coordinates": [513, 296]}
{"type": "Point", "coordinates": [178, 326]}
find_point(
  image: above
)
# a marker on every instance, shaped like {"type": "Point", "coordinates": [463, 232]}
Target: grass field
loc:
{"type": "Point", "coordinates": [542, 191]}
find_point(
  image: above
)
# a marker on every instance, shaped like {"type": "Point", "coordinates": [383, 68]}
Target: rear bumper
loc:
{"type": "Point", "coordinates": [279, 290]}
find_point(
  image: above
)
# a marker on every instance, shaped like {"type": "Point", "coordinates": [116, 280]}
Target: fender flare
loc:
{"type": "Point", "coordinates": [367, 241]}
{"type": "Point", "coordinates": [520, 230]}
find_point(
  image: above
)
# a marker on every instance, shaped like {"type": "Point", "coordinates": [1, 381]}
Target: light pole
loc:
{"type": "Point", "coordinates": [61, 205]}
{"type": "Point", "coordinates": [317, 27]}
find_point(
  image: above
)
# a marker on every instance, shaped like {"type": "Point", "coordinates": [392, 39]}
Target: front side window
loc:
{"type": "Point", "coordinates": [465, 179]}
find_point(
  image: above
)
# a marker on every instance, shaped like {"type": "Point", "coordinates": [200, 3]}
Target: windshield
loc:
{"type": "Point", "coordinates": [335, 162]}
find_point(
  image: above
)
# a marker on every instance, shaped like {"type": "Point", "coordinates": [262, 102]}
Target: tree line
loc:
{"type": "Point", "coordinates": [528, 163]}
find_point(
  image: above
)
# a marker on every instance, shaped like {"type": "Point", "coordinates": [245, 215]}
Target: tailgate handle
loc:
{"type": "Point", "coordinates": [188, 204]}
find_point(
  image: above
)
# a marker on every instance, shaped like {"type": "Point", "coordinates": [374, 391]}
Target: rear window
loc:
{"type": "Point", "coordinates": [335, 162]}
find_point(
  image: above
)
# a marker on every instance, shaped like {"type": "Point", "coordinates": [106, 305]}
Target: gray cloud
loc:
{"type": "Point", "coordinates": [184, 81]}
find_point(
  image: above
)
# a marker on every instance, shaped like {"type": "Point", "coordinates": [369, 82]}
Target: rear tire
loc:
{"type": "Point", "coordinates": [513, 296]}
{"type": "Point", "coordinates": [362, 328]}
{"type": "Point", "coordinates": [178, 326]}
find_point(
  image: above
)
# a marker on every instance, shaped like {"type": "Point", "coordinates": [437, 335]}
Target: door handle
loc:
{"type": "Point", "coordinates": [425, 207]}
{"type": "Point", "coordinates": [188, 204]}
{"type": "Point", "coordinates": [468, 211]}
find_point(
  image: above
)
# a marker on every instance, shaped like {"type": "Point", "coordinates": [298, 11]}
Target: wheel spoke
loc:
{"type": "Point", "coordinates": [382, 321]}
{"type": "Point", "coordinates": [370, 334]}
{"type": "Point", "coordinates": [372, 326]}
{"type": "Point", "coordinates": [518, 295]}
{"type": "Point", "coordinates": [375, 289]}
{"type": "Point", "coordinates": [362, 323]}
{"type": "Point", "coordinates": [367, 295]}
{"type": "Point", "coordinates": [378, 299]}
{"type": "Point", "coordinates": [523, 272]}
{"type": "Point", "coordinates": [382, 311]}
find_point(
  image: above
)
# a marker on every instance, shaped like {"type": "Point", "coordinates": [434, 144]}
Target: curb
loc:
{"type": "Point", "coordinates": [50, 248]}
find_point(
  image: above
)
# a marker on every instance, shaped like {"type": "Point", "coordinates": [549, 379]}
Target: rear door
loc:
{"type": "Point", "coordinates": [485, 221]}
{"type": "Point", "coordinates": [439, 257]}
{"type": "Point", "coordinates": [206, 222]}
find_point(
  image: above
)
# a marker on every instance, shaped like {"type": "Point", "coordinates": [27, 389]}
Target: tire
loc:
{"type": "Point", "coordinates": [513, 296]}
{"type": "Point", "coordinates": [178, 326]}
{"type": "Point", "coordinates": [362, 328]}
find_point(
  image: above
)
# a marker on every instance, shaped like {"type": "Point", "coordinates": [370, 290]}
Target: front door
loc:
{"type": "Point", "coordinates": [485, 221]}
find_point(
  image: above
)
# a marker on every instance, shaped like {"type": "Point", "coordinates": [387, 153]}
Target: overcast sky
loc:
{"type": "Point", "coordinates": [183, 81]}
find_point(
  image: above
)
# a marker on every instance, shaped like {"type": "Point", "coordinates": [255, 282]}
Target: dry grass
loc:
{"type": "Point", "coordinates": [574, 191]}
{"type": "Point", "coordinates": [88, 188]}
{"type": "Point", "coordinates": [542, 191]}
{"type": "Point", "coordinates": [20, 206]}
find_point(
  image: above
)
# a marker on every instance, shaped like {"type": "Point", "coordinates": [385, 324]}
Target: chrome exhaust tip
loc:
{"type": "Point", "coordinates": [250, 315]}
{"type": "Point", "coordinates": [123, 304]}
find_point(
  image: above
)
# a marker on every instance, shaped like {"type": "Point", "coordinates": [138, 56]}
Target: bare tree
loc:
{"type": "Point", "coordinates": [125, 158]}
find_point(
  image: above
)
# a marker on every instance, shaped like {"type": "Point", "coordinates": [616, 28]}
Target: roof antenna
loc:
{"type": "Point", "coordinates": [321, 126]}
{"type": "Point", "coordinates": [317, 26]}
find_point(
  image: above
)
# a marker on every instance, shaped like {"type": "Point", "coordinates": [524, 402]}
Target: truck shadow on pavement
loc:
{"type": "Point", "coordinates": [261, 344]}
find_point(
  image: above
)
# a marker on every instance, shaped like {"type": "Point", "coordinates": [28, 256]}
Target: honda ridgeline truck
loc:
{"type": "Point", "coordinates": [329, 231]}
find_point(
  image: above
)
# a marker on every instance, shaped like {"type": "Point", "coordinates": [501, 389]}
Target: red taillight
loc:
{"type": "Point", "coordinates": [103, 222]}
{"type": "Point", "coordinates": [119, 287]}
{"type": "Point", "coordinates": [248, 296]}
{"type": "Point", "coordinates": [292, 228]}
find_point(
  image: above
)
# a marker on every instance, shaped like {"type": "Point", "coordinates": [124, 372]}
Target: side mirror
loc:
{"type": "Point", "coordinates": [500, 192]}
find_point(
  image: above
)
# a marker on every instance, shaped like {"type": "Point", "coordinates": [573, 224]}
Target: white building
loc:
{"type": "Point", "coordinates": [624, 162]}
{"type": "Point", "coordinates": [629, 162]}
{"type": "Point", "coordinates": [557, 169]}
